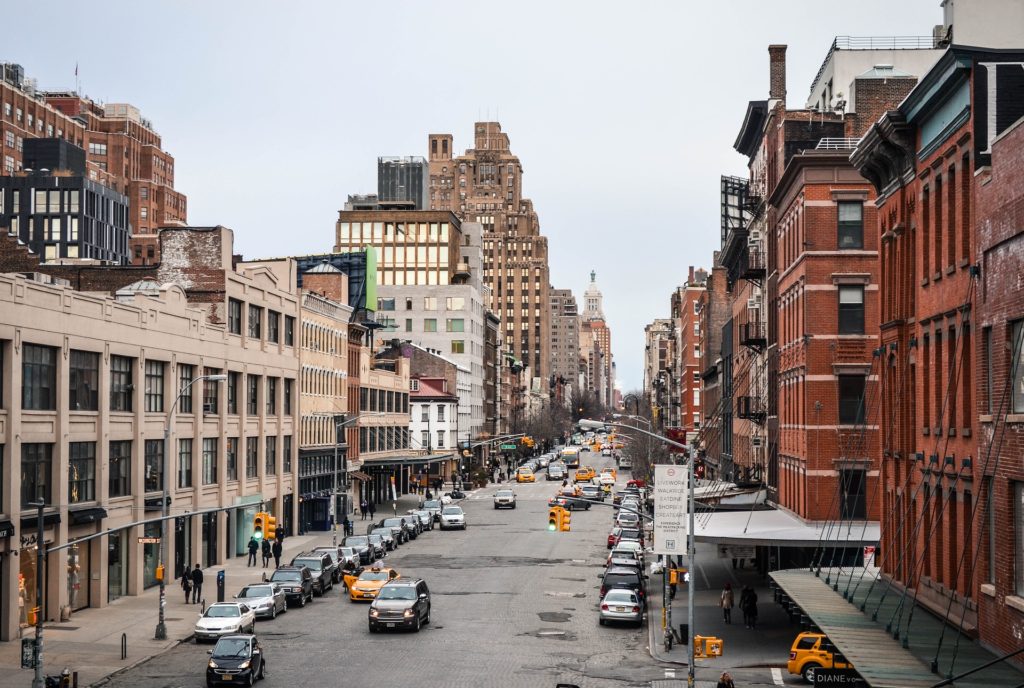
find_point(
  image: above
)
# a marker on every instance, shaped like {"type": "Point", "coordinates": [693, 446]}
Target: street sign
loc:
{"type": "Point", "coordinates": [149, 540]}
{"type": "Point", "coordinates": [508, 447]}
{"type": "Point", "coordinates": [28, 653]}
{"type": "Point", "coordinates": [671, 497]}
{"type": "Point", "coordinates": [837, 677]}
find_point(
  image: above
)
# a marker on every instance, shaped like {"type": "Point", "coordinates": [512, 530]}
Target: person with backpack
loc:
{"type": "Point", "coordinates": [186, 581]}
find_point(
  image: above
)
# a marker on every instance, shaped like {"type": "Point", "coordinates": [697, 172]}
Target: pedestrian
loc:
{"type": "Point", "coordinates": [266, 553]}
{"type": "Point", "coordinates": [253, 547]}
{"type": "Point", "coordinates": [277, 549]}
{"type": "Point", "coordinates": [186, 582]}
{"type": "Point", "coordinates": [372, 510]}
{"type": "Point", "coordinates": [727, 603]}
{"type": "Point", "coordinates": [744, 593]}
{"type": "Point", "coordinates": [363, 506]}
{"type": "Point", "coordinates": [430, 495]}
{"type": "Point", "coordinates": [346, 525]}
{"type": "Point", "coordinates": [752, 608]}
{"type": "Point", "coordinates": [197, 584]}
{"type": "Point", "coordinates": [725, 681]}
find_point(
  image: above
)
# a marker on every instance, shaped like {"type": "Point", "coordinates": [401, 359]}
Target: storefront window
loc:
{"type": "Point", "coordinates": [27, 599]}
{"type": "Point", "coordinates": [150, 555]}
{"type": "Point", "coordinates": [78, 576]}
{"type": "Point", "coordinates": [117, 565]}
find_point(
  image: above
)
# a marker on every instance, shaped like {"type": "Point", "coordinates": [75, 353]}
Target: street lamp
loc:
{"type": "Point", "coordinates": [161, 627]}
{"type": "Point", "coordinates": [636, 418]}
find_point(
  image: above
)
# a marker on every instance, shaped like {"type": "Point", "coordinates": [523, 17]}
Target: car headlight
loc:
{"type": "Point", "coordinates": [408, 613]}
{"type": "Point", "coordinates": [244, 665]}
{"type": "Point", "coordinates": [213, 664]}
{"type": "Point", "coordinates": [374, 613]}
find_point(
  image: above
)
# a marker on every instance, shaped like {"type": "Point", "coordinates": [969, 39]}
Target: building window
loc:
{"type": "Point", "coordinates": [430, 324]}
{"type": "Point", "coordinates": [154, 386]}
{"type": "Point", "coordinates": [385, 304]}
{"type": "Point", "coordinates": [234, 316]}
{"type": "Point", "coordinates": [255, 321]}
{"type": "Point", "coordinates": [233, 392]}
{"type": "Point", "coordinates": [288, 397]}
{"type": "Point", "coordinates": [425, 413]}
{"type": "Point", "coordinates": [120, 383]}
{"type": "Point", "coordinates": [209, 460]}
{"type": "Point", "coordinates": [186, 373]}
{"type": "Point", "coordinates": [851, 309]}
{"type": "Point", "coordinates": [211, 392]}
{"type": "Point", "coordinates": [83, 380]}
{"type": "Point", "coordinates": [251, 452]}
{"type": "Point", "coordinates": [458, 346]}
{"type": "Point", "coordinates": [1017, 365]}
{"type": "Point", "coordinates": [271, 396]}
{"type": "Point", "coordinates": [853, 485]}
{"type": "Point", "coordinates": [271, 455]}
{"type": "Point", "coordinates": [35, 473]}
{"type": "Point", "coordinates": [81, 472]}
{"type": "Point", "coordinates": [440, 413]}
{"type": "Point", "coordinates": [851, 225]}
{"type": "Point", "coordinates": [154, 465]}
{"type": "Point", "coordinates": [440, 439]}
{"type": "Point", "coordinates": [429, 303]}
{"type": "Point", "coordinates": [286, 449]}
{"type": "Point", "coordinates": [39, 378]}
{"type": "Point", "coordinates": [185, 462]}
{"type": "Point", "coordinates": [252, 400]}
{"type": "Point", "coordinates": [119, 480]}
{"type": "Point", "coordinates": [455, 325]}
{"type": "Point", "coordinates": [231, 458]}
{"type": "Point", "coordinates": [289, 330]}
{"type": "Point", "coordinates": [273, 326]}
{"type": "Point", "coordinates": [1018, 529]}
{"type": "Point", "coordinates": [851, 399]}
{"type": "Point", "coordinates": [408, 324]}
{"type": "Point", "coordinates": [425, 439]}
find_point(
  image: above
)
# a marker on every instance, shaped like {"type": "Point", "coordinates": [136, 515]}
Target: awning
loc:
{"type": "Point", "coordinates": [406, 460]}
{"type": "Point", "coordinates": [89, 515]}
{"type": "Point", "coordinates": [359, 475]}
{"type": "Point", "coordinates": [781, 529]}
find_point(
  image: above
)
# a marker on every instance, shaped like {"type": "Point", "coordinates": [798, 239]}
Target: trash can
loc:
{"type": "Point", "coordinates": [684, 634]}
{"type": "Point", "coordinates": [220, 585]}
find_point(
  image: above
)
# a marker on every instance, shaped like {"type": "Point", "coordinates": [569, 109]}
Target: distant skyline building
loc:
{"type": "Point", "coordinates": [596, 344]}
{"type": "Point", "coordinates": [403, 180]}
{"type": "Point", "coordinates": [565, 342]}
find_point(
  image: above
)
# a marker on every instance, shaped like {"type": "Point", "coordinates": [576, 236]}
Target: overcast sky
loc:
{"type": "Point", "coordinates": [623, 114]}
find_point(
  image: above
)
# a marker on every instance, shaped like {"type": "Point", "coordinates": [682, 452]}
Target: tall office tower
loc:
{"type": "Point", "coordinates": [402, 182]}
{"type": "Point", "coordinates": [485, 185]}
{"type": "Point", "coordinates": [565, 343]}
{"type": "Point", "coordinates": [592, 324]}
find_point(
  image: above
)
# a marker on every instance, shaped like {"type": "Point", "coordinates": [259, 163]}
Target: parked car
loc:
{"type": "Point", "coordinates": [505, 499]}
{"type": "Point", "coordinates": [425, 518]}
{"type": "Point", "coordinates": [591, 492]}
{"type": "Point", "coordinates": [618, 577]}
{"type": "Point", "coordinates": [434, 507]}
{"type": "Point", "coordinates": [626, 550]}
{"type": "Point", "coordinates": [335, 555]}
{"type": "Point", "coordinates": [403, 603]}
{"type": "Point", "coordinates": [453, 517]}
{"type": "Point", "coordinates": [321, 568]}
{"type": "Point", "coordinates": [399, 529]}
{"type": "Point", "coordinates": [813, 651]}
{"type": "Point", "coordinates": [388, 535]}
{"type": "Point", "coordinates": [296, 582]}
{"type": "Point", "coordinates": [627, 533]}
{"type": "Point", "coordinates": [236, 659]}
{"type": "Point", "coordinates": [224, 618]}
{"type": "Point", "coordinates": [621, 605]}
{"type": "Point", "coordinates": [361, 544]}
{"type": "Point", "coordinates": [613, 536]}
{"type": "Point", "coordinates": [380, 547]}
{"type": "Point", "coordinates": [348, 554]}
{"type": "Point", "coordinates": [265, 599]}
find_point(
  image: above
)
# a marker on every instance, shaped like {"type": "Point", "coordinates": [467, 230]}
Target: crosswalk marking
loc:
{"type": "Point", "coordinates": [777, 676]}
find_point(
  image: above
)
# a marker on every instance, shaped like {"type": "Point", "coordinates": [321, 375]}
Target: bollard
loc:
{"type": "Point", "coordinates": [74, 679]}
{"type": "Point", "coordinates": [124, 646]}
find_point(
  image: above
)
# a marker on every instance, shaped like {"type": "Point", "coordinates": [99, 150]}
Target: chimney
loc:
{"type": "Point", "coordinates": [690, 280]}
{"type": "Point", "coordinates": [777, 72]}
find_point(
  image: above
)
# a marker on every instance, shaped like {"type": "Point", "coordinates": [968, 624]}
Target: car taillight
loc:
{"type": "Point", "coordinates": [603, 590]}
{"type": "Point", "coordinates": [792, 655]}
{"type": "Point", "coordinates": [636, 609]}
{"type": "Point", "coordinates": [604, 607]}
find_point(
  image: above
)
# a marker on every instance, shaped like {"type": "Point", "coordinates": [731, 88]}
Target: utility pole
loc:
{"type": "Point", "coordinates": [693, 577]}
{"type": "Point", "coordinates": [37, 680]}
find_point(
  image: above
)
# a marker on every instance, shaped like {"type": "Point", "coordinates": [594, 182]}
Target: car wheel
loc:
{"type": "Point", "coordinates": [371, 628]}
{"type": "Point", "coordinates": [302, 600]}
{"type": "Point", "coordinates": [273, 612]}
{"type": "Point", "coordinates": [600, 622]}
{"type": "Point", "coordinates": [416, 627]}
{"type": "Point", "coordinates": [263, 671]}
{"type": "Point", "coordinates": [427, 620]}
{"type": "Point", "coordinates": [252, 678]}
{"type": "Point", "coordinates": [808, 671]}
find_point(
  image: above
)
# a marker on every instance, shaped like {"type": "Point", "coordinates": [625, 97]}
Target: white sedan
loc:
{"type": "Point", "coordinates": [453, 517]}
{"type": "Point", "coordinates": [225, 618]}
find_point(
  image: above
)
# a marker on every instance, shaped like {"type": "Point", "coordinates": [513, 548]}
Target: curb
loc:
{"type": "Point", "coordinates": [106, 679]}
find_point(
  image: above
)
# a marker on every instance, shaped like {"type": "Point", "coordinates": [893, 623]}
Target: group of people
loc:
{"type": "Point", "coordinates": [748, 605]}
{"type": "Point", "coordinates": [366, 509]}
{"type": "Point", "coordinates": [192, 584]}
{"type": "Point", "coordinates": [267, 550]}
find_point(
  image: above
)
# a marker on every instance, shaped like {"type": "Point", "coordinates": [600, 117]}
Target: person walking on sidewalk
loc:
{"type": "Point", "coordinates": [186, 581]}
{"type": "Point", "coordinates": [372, 510]}
{"type": "Point", "coordinates": [727, 603]}
{"type": "Point", "coordinates": [253, 546]}
{"type": "Point", "coordinates": [725, 681]}
{"type": "Point", "coordinates": [363, 506]}
{"type": "Point", "coordinates": [744, 594]}
{"type": "Point", "coordinates": [277, 550]}
{"type": "Point", "coordinates": [266, 553]}
{"type": "Point", "coordinates": [752, 608]}
{"type": "Point", "coordinates": [197, 584]}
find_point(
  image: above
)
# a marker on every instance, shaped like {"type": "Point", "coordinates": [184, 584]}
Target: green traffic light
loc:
{"type": "Point", "coordinates": [258, 535]}
{"type": "Point", "coordinates": [551, 526]}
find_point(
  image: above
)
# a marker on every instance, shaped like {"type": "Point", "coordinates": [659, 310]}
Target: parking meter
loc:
{"type": "Point", "coordinates": [220, 585]}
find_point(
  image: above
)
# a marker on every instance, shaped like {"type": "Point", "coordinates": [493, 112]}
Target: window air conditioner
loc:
{"type": "Point", "coordinates": [753, 304]}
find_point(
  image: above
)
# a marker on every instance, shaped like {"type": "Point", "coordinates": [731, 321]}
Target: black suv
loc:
{"type": "Point", "coordinates": [395, 601]}
{"type": "Point", "coordinates": [398, 529]}
{"type": "Point", "coordinates": [320, 566]}
{"type": "Point", "coordinates": [296, 582]}
{"type": "Point", "coordinates": [621, 577]}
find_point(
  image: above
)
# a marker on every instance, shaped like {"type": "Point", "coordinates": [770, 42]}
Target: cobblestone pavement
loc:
{"type": "Point", "coordinates": [513, 605]}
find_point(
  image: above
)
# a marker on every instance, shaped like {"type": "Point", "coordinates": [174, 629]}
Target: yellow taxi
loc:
{"type": "Point", "coordinates": [365, 586]}
{"type": "Point", "coordinates": [813, 651]}
{"type": "Point", "coordinates": [584, 473]}
{"type": "Point", "coordinates": [525, 475]}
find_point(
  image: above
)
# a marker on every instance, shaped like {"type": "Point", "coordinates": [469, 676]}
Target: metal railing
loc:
{"type": "Point", "coordinates": [837, 144]}
{"type": "Point", "coordinates": [875, 43]}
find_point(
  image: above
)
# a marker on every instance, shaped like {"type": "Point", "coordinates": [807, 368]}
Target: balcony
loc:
{"type": "Point", "coordinates": [754, 334]}
{"type": "Point", "coordinates": [754, 265]}
{"type": "Point", "coordinates": [751, 408]}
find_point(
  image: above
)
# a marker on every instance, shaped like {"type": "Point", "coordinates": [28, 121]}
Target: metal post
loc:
{"type": "Point", "coordinates": [37, 680]}
{"type": "Point", "coordinates": [334, 486]}
{"type": "Point", "coordinates": [693, 577]}
{"type": "Point", "coordinates": [161, 626]}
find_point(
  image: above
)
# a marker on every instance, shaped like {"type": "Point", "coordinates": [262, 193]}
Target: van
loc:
{"type": "Point", "coordinates": [813, 651]}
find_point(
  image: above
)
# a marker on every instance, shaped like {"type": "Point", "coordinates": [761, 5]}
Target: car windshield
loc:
{"type": "Point", "coordinates": [217, 612]}
{"type": "Point", "coordinates": [452, 511]}
{"type": "Point", "coordinates": [231, 647]}
{"type": "Point", "coordinates": [256, 591]}
{"type": "Point", "coordinates": [393, 522]}
{"type": "Point", "coordinates": [311, 564]}
{"type": "Point", "coordinates": [432, 504]}
{"type": "Point", "coordinates": [286, 576]}
{"type": "Point", "coordinates": [373, 576]}
{"type": "Point", "coordinates": [504, 493]}
{"type": "Point", "coordinates": [397, 592]}
{"type": "Point", "coordinates": [381, 531]}
{"type": "Point", "coordinates": [348, 551]}
{"type": "Point", "coordinates": [620, 596]}
{"type": "Point", "coordinates": [626, 579]}
{"type": "Point", "coordinates": [358, 541]}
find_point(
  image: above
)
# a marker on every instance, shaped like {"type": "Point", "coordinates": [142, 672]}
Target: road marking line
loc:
{"type": "Point", "coordinates": [670, 673]}
{"type": "Point", "coordinates": [777, 676]}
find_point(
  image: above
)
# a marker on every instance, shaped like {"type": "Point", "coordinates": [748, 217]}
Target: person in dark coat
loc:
{"type": "Point", "coordinates": [253, 547]}
{"type": "Point", "coordinates": [197, 584]}
{"type": "Point", "coordinates": [186, 582]}
{"type": "Point", "coordinates": [363, 509]}
{"type": "Point", "coordinates": [752, 608]}
{"type": "Point", "coordinates": [725, 681]}
{"type": "Point", "coordinates": [372, 510]}
{"type": "Point", "coordinates": [277, 550]}
{"type": "Point", "coordinates": [266, 553]}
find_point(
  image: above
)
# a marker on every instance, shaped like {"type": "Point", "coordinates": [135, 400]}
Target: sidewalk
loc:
{"type": "Point", "coordinates": [90, 642]}
{"type": "Point", "coordinates": [767, 646]}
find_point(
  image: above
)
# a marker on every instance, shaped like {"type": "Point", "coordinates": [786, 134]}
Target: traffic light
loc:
{"type": "Point", "coordinates": [270, 527]}
{"type": "Point", "coordinates": [555, 518]}
{"type": "Point", "coordinates": [258, 523]}
{"type": "Point", "coordinates": [566, 520]}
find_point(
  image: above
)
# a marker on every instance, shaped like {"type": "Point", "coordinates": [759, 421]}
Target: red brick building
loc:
{"type": "Point", "coordinates": [686, 407]}
{"type": "Point", "coordinates": [937, 463]}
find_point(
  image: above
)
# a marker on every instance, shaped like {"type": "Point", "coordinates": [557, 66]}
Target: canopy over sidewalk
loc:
{"type": "Point", "coordinates": [781, 529]}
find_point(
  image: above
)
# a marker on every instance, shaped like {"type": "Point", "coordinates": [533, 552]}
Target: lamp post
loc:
{"type": "Point", "coordinates": [161, 627]}
{"type": "Point", "coordinates": [334, 472]}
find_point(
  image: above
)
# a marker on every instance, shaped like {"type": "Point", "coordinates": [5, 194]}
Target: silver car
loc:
{"type": "Point", "coordinates": [453, 517]}
{"type": "Point", "coordinates": [266, 599]}
{"type": "Point", "coordinates": [621, 605]}
{"type": "Point", "coordinates": [425, 517]}
{"type": "Point", "coordinates": [504, 498]}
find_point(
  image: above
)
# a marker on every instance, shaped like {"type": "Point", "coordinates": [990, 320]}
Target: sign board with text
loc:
{"type": "Point", "coordinates": [838, 677]}
{"type": "Point", "coordinates": [508, 447]}
{"type": "Point", "coordinates": [671, 497]}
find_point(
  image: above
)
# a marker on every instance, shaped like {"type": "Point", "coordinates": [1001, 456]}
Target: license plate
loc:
{"type": "Point", "coordinates": [620, 609]}
{"type": "Point", "coordinates": [227, 677]}
{"type": "Point", "coordinates": [390, 625]}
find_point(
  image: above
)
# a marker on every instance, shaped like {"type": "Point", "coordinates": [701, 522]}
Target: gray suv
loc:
{"type": "Point", "coordinates": [401, 603]}
{"type": "Point", "coordinates": [296, 582]}
{"type": "Point", "coordinates": [320, 566]}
